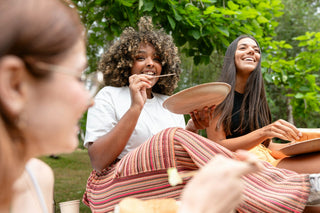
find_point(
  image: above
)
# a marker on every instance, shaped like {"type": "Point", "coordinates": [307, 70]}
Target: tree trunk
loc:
{"type": "Point", "coordinates": [290, 111]}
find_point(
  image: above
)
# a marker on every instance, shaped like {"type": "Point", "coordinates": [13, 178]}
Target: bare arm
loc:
{"type": "Point", "coordinates": [108, 147]}
{"type": "Point", "coordinates": [280, 129]}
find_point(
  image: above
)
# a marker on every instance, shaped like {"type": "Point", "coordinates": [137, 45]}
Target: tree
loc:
{"type": "Point", "coordinates": [202, 29]}
{"type": "Point", "coordinates": [200, 26]}
{"type": "Point", "coordinates": [298, 17]}
{"type": "Point", "coordinates": [297, 78]}
{"type": "Point", "coordinates": [291, 77]}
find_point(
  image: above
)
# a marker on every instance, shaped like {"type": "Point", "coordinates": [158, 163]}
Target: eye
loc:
{"type": "Point", "coordinates": [257, 50]}
{"type": "Point", "coordinates": [139, 58]}
{"type": "Point", "coordinates": [157, 59]}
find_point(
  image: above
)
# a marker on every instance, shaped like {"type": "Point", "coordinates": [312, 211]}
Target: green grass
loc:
{"type": "Point", "coordinates": [71, 172]}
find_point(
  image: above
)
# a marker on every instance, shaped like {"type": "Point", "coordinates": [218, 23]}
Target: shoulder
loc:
{"type": "Point", "coordinates": [113, 91]}
{"type": "Point", "coordinates": [41, 171]}
{"type": "Point", "coordinates": [38, 176]}
{"type": "Point", "coordinates": [36, 164]}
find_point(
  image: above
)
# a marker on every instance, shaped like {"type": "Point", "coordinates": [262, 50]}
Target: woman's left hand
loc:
{"type": "Point", "coordinates": [201, 119]}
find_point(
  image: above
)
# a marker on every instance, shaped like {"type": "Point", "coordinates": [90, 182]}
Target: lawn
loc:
{"type": "Point", "coordinates": [71, 173]}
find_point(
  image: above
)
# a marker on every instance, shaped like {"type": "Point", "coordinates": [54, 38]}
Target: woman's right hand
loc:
{"type": "Point", "coordinates": [138, 89]}
{"type": "Point", "coordinates": [218, 186]}
{"type": "Point", "coordinates": [202, 118]}
{"type": "Point", "coordinates": [281, 129]}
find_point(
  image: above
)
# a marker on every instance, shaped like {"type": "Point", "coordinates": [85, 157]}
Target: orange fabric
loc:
{"type": "Point", "coordinates": [265, 154]}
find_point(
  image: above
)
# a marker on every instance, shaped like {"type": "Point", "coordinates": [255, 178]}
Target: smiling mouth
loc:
{"type": "Point", "coordinates": [149, 73]}
{"type": "Point", "coordinates": [249, 59]}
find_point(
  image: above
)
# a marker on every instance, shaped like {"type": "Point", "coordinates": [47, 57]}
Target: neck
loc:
{"type": "Point", "coordinates": [241, 82]}
{"type": "Point", "coordinates": [149, 94]}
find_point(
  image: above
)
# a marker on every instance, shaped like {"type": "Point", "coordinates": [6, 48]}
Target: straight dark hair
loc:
{"type": "Point", "coordinates": [255, 101]}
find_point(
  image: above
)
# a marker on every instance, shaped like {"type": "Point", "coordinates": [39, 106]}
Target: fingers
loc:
{"type": "Point", "coordinates": [284, 130]}
{"type": "Point", "coordinates": [253, 162]}
{"type": "Point", "coordinates": [138, 85]}
{"type": "Point", "coordinates": [237, 168]}
{"type": "Point", "coordinates": [292, 130]}
{"type": "Point", "coordinates": [218, 186]}
{"type": "Point", "coordinates": [202, 118]}
{"type": "Point", "coordinates": [197, 123]}
{"type": "Point", "coordinates": [139, 81]}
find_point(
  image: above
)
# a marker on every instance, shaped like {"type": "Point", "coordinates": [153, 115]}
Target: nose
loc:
{"type": "Point", "coordinates": [149, 62]}
{"type": "Point", "coordinates": [250, 50]}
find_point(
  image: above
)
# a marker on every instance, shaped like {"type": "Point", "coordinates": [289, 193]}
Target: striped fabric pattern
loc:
{"type": "Point", "coordinates": [143, 174]}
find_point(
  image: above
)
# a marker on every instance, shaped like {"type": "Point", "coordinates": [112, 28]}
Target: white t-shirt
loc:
{"type": "Point", "coordinates": [111, 103]}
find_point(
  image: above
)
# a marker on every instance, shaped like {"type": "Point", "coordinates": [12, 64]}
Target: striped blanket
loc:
{"type": "Point", "coordinates": [142, 174]}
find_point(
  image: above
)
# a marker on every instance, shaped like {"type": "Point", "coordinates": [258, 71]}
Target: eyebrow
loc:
{"type": "Point", "coordinates": [246, 44]}
{"type": "Point", "coordinates": [143, 52]}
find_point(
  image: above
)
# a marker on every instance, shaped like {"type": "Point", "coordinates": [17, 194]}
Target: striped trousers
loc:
{"type": "Point", "coordinates": [142, 174]}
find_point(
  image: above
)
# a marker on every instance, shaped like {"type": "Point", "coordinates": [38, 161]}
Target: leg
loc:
{"type": "Point", "coordinates": [272, 190]}
{"type": "Point", "coordinates": [306, 163]}
{"type": "Point", "coordinates": [142, 174]}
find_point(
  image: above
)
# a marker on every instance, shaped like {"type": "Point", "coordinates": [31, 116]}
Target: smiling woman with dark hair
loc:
{"type": "Point", "coordinates": [243, 119]}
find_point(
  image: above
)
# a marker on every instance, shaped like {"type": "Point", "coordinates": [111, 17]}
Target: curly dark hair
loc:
{"type": "Point", "coordinates": [116, 63]}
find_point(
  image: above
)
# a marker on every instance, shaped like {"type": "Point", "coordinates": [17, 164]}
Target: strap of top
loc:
{"type": "Point", "coordinates": [38, 190]}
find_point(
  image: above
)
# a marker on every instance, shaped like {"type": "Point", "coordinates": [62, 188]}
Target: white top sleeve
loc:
{"type": "Point", "coordinates": [111, 103]}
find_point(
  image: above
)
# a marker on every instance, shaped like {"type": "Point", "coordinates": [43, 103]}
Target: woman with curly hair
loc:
{"type": "Point", "coordinates": [129, 109]}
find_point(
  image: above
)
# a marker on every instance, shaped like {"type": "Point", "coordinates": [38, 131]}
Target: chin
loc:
{"type": "Point", "coordinates": [68, 147]}
{"type": "Point", "coordinates": [73, 146]}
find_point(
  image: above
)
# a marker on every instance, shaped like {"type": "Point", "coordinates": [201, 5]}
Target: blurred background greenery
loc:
{"type": "Point", "coordinates": [287, 31]}
{"type": "Point", "coordinates": [71, 172]}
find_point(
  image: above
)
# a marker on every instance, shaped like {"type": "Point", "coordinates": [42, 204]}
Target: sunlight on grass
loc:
{"type": "Point", "coordinates": [71, 172]}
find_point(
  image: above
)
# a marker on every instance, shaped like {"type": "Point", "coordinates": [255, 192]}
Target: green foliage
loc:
{"type": "Point", "coordinates": [202, 29]}
{"type": "Point", "coordinates": [297, 77]}
{"type": "Point", "coordinates": [206, 26]}
{"type": "Point", "coordinates": [298, 17]}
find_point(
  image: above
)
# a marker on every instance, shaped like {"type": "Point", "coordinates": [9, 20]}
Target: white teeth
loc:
{"type": "Point", "coordinates": [150, 73]}
{"type": "Point", "coordinates": [248, 59]}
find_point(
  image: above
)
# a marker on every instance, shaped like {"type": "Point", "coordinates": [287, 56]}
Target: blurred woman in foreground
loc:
{"type": "Point", "coordinates": [42, 97]}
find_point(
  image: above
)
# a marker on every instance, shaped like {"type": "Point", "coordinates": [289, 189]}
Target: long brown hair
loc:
{"type": "Point", "coordinates": [33, 30]}
{"type": "Point", "coordinates": [254, 102]}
